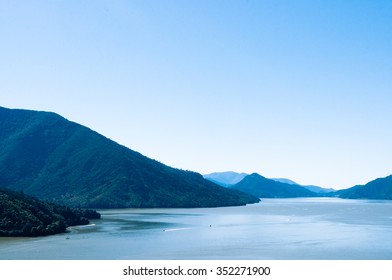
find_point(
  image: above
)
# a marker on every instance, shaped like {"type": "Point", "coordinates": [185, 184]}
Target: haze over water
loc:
{"type": "Point", "coordinates": [302, 228]}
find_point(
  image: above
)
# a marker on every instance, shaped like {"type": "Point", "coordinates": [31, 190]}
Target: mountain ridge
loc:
{"type": "Point", "coordinates": [49, 157]}
{"type": "Point", "coordinates": [229, 178]}
{"type": "Point", "coordinates": [380, 188]}
{"type": "Point", "coordinates": [263, 187]}
{"type": "Point", "coordinates": [226, 178]}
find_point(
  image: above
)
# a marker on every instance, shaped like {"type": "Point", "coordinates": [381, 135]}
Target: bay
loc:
{"type": "Point", "coordinates": [301, 229]}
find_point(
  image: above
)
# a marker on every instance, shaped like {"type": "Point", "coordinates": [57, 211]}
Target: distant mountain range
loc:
{"type": "Point", "coordinates": [225, 179]}
{"type": "Point", "coordinates": [312, 188]}
{"type": "Point", "coordinates": [284, 180]}
{"type": "Point", "coordinates": [230, 179]}
{"type": "Point", "coordinates": [49, 157]}
{"type": "Point", "coordinates": [262, 187]}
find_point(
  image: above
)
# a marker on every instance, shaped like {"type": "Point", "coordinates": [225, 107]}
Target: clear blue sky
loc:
{"type": "Point", "coordinates": [295, 89]}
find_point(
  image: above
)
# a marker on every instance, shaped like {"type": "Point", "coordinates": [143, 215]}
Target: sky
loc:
{"type": "Point", "coordinates": [288, 89]}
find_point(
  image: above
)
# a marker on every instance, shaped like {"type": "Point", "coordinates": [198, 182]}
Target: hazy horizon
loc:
{"type": "Point", "coordinates": [290, 89]}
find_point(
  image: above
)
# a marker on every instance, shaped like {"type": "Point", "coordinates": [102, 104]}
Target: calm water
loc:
{"type": "Point", "coordinates": [311, 228]}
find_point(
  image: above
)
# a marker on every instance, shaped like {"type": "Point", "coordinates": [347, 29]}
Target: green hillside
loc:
{"type": "Point", "coordinates": [52, 158]}
{"type": "Point", "coordinates": [22, 215]}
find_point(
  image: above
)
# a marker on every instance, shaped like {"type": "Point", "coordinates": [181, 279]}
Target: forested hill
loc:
{"type": "Point", "coordinates": [380, 188]}
{"type": "Point", "coordinates": [52, 158]}
{"type": "Point", "coordinates": [22, 215]}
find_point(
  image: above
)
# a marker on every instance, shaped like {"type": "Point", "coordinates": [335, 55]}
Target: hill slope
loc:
{"type": "Point", "coordinates": [262, 187]}
{"type": "Point", "coordinates": [225, 179]}
{"type": "Point", "coordinates": [49, 157]}
{"type": "Point", "coordinates": [22, 215]}
{"type": "Point", "coordinates": [315, 189]}
{"type": "Point", "coordinates": [380, 188]}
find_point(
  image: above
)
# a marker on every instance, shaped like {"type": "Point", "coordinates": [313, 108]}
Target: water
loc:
{"type": "Point", "coordinates": [303, 228]}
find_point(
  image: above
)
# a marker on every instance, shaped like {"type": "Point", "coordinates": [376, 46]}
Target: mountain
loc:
{"type": "Point", "coordinates": [380, 188]}
{"type": "Point", "coordinates": [284, 180]}
{"type": "Point", "coordinates": [318, 189]}
{"type": "Point", "coordinates": [225, 179]}
{"type": "Point", "coordinates": [52, 158]}
{"type": "Point", "coordinates": [312, 188]}
{"type": "Point", "coordinates": [22, 215]}
{"type": "Point", "coordinates": [262, 187]}
{"type": "Point", "coordinates": [229, 178]}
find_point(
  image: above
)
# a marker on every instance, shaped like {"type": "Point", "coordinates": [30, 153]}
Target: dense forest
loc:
{"type": "Point", "coordinates": [23, 215]}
